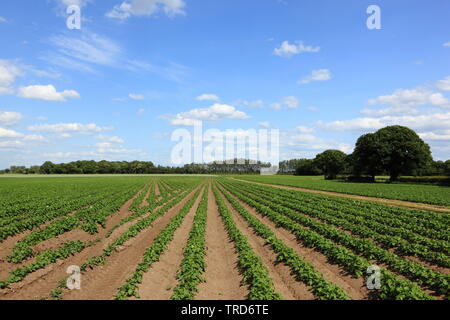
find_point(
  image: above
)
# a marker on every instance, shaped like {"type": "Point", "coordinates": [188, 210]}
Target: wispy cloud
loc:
{"type": "Point", "coordinates": [207, 97]}
{"type": "Point", "coordinates": [90, 50]}
{"type": "Point", "coordinates": [91, 128]}
{"type": "Point", "coordinates": [9, 71]}
{"type": "Point", "coordinates": [317, 75]}
{"type": "Point", "coordinates": [251, 104]}
{"type": "Point", "coordinates": [287, 50]}
{"type": "Point", "coordinates": [135, 96]}
{"type": "Point", "coordinates": [141, 112]}
{"type": "Point", "coordinates": [62, 5]}
{"type": "Point", "coordinates": [141, 8]}
{"type": "Point", "coordinates": [290, 102]}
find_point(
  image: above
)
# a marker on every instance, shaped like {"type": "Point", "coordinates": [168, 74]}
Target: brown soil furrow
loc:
{"type": "Point", "coordinates": [102, 282]}
{"type": "Point", "coordinates": [385, 201]}
{"type": "Point", "coordinates": [223, 279]}
{"type": "Point", "coordinates": [354, 287]}
{"type": "Point", "coordinates": [428, 265]}
{"type": "Point", "coordinates": [6, 249]}
{"type": "Point", "coordinates": [158, 282]}
{"type": "Point", "coordinates": [283, 280]}
{"type": "Point", "coordinates": [363, 288]}
{"type": "Point", "coordinates": [157, 191]}
{"type": "Point", "coordinates": [8, 245]}
{"type": "Point", "coordinates": [144, 202]}
{"type": "Point", "coordinates": [39, 284]}
{"type": "Point", "coordinates": [395, 250]}
{"type": "Point", "coordinates": [80, 235]}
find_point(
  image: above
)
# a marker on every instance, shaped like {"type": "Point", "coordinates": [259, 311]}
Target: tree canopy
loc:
{"type": "Point", "coordinates": [401, 151]}
{"type": "Point", "coordinates": [332, 162]}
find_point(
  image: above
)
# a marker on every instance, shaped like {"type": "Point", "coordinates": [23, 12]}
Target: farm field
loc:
{"type": "Point", "coordinates": [211, 238]}
{"type": "Point", "coordinates": [421, 193]}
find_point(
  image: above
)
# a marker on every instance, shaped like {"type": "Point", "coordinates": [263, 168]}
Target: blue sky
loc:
{"type": "Point", "coordinates": [139, 69]}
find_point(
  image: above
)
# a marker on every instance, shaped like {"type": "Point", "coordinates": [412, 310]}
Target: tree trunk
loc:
{"type": "Point", "coordinates": [394, 176]}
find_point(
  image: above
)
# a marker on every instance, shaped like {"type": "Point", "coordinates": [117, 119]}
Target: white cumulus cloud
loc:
{"type": "Point", "coordinates": [425, 123]}
{"type": "Point", "coordinates": [7, 133]}
{"type": "Point", "coordinates": [9, 118]}
{"type": "Point", "coordinates": [216, 112]}
{"type": "Point", "coordinates": [411, 98]}
{"type": "Point", "coordinates": [287, 50]}
{"type": "Point", "coordinates": [47, 93]}
{"type": "Point", "coordinates": [305, 129]}
{"type": "Point", "coordinates": [317, 75]}
{"type": "Point", "coordinates": [207, 97]}
{"type": "Point", "coordinates": [444, 84]}
{"type": "Point", "coordinates": [290, 102]}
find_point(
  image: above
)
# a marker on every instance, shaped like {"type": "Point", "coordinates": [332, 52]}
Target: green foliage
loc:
{"type": "Point", "coordinates": [253, 270]}
{"type": "Point", "coordinates": [44, 259]}
{"type": "Point", "coordinates": [152, 254]}
{"type": "Point", "coordinates": [432, 194]}
{"type": "Point", "coordinates": [303, 271]}
{"type": "Point", "coordinates": [341, 247]}
{"type": "Point", "coordinates": [366, 157]}
{"type": "Point", "coordinates": [332, 162]}
{"type": "Point", "coordinates": [386, 230]}
{"type": "Point", "coordinates": [193, 265]}
{"type": "Point", "coordinates": [395, 149]}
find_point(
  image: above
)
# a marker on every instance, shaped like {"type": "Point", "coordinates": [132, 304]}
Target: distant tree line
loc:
{"type": "Point", "coordinates": [391, 151]}
{"type": "Point", "coordinates": [234, 166]}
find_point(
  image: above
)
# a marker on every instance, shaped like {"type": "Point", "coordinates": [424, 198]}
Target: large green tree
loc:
{"type": "Point", "coordinates": [447, 167]}
{"type": "Point", "coordinates": [48, 168]}
{"type": "Point", "coordinates": [331, 162]}
{"type": "Point", "coordinates": [401, 151]}
{"type": "Point", "coordinates": [366, 157]}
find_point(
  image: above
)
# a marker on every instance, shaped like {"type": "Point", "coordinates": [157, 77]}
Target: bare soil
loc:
{"type": "Point", "coordinates": [158, 282]}
{"type": "Point", "coordinates": [223, 279]}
